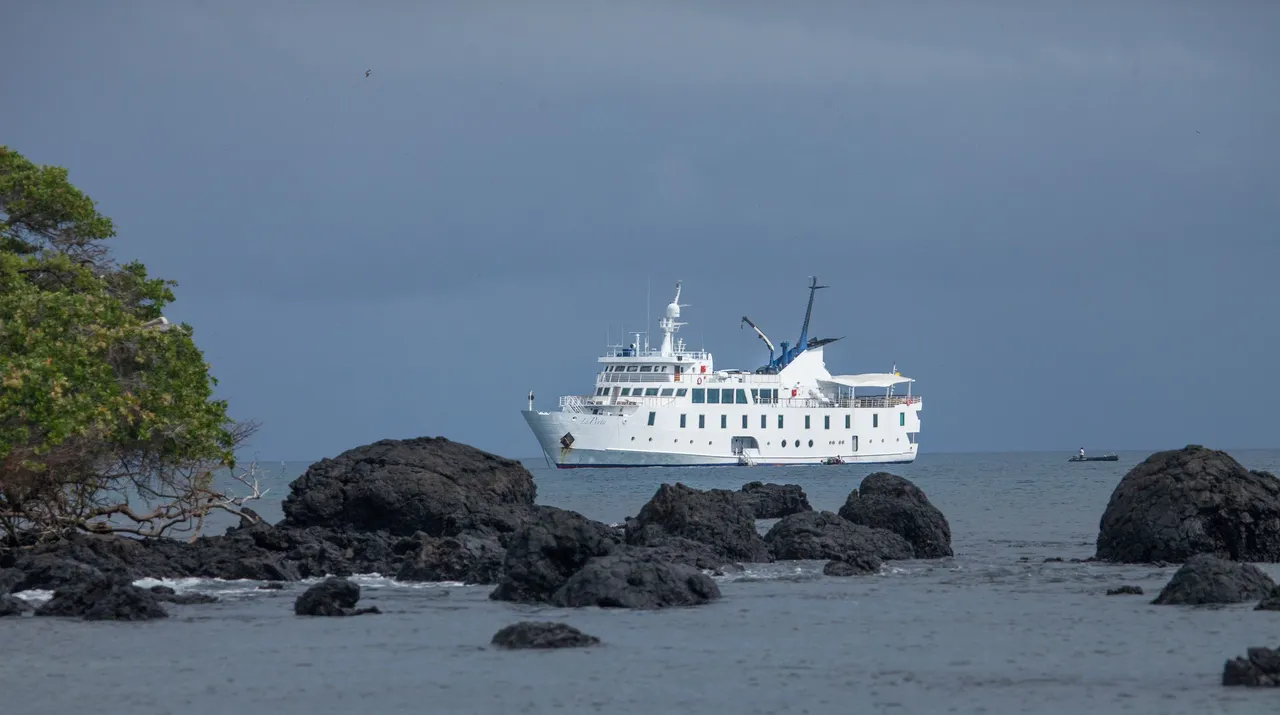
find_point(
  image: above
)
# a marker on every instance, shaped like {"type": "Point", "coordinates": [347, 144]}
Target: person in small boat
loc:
{"type": "Point", "coordinates": [1082, 453]}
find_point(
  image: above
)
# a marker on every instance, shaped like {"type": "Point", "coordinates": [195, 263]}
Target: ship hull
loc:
{"type": "Point", "coordinates": [613, 441]}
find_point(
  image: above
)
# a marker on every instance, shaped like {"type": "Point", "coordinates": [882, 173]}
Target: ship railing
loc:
{"type": "Point", "coordinates": [586, 403]}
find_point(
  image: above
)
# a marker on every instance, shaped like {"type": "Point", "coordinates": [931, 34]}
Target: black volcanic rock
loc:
{"type": "Point", "coordinates": [1271, 602]}
{"type": "Point", "coordinates": [534, 634]}
{"type": "Point", "coordinates": [469, 559]}
{"type": "Point", "coordinates": [718, 518]}
{"type": "Point", "coordinates": [432, 485]}
{"type": "Point", "coordinates": [1180, 503]}
{"type": "Point", "coordinates": [12, 606]}
{"type": "Point", "coordinates": [1125, 591]}
{"type": "Point", "coordinates": [887, 501]}
{"type": "Point", "coordinates": [825, 535]}
{"type": "Point", "coordinates": [774, 501]}
{"type": "Point", "coordinates": [636, 578]}
{"type": "Point", "coordinates": [1206, 579]}
{"type": "Point", "coordinates": [852, 565]}
{"type": "Point", "coordinates": [1259, 669]}
{"type": "Point", "coordinates": [548, 550]}
{"type": "Point", "coordinates": [331, 597]}
{"type": "Point", "coordinates": [108, 598]}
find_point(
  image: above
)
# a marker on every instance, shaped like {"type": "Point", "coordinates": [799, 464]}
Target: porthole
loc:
{"type": "Point", "coordinates": [810, 443]}
{"type": "Point", "coordinates": [783, 444]}
{"type": "Point", "coordinates": [633, 439]}
{"type": "Point", "coordinates": [797, 443]}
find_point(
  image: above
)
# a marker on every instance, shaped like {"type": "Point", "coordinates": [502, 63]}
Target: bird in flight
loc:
{"type": "Point", "coordinates": [366, 72]}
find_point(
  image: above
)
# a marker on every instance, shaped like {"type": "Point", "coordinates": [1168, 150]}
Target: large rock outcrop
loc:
{"type": "Point", "coordinates": [1260, 668]}
{"type": "Point", "coordinates": [1180, 503]}
{"type": "Point", "coordinates": [634, 578]}
{"type": "Point", "coordinates": [432, 485]}
{"type": "Point", "coordinates": [1206, 579]}
{"type": "Point", "coordinates": [547, 551]}
{"type": "Point", "coordinates": [774, 501]}
{"type": "Point", "coordinates": [107, 598]}
{"type": "Point", "coordinates": [829, 537]}
{"type": "Point", "coordinates": [719, 519]}
{"type": "Point", "coordinates": [887, 501]}
{"type": "Point", "coordinates": [331, 597]}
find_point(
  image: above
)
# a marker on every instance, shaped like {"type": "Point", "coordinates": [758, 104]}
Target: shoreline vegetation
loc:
{"type": "Point", "coordinates": [110, 437]}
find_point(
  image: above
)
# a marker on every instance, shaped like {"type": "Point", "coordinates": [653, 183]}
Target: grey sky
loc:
{"type": "Point", "coordinates": [1063, 222]}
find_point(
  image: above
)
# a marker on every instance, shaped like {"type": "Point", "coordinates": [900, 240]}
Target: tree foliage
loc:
{"type": "Point", "coordinates": [107, 416]}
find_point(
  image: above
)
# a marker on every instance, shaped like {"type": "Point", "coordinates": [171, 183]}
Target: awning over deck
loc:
{"type": "Point", "coordinates": [870, 379]}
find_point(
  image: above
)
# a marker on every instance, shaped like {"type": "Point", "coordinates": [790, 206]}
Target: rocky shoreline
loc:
{"type": "Point", "coordinates": [432, 510]}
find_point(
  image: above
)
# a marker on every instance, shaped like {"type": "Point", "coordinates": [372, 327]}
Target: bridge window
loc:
{"type": "Point", "coordinates": [726, 396]}
{"type": "Point", "coordinates": [699, 395]}
{"type": "Point", "coordinates": [626, 391]}
{"type": "Point", "coordinates": [702, 421]}
{"type": "Point", "coordinates": [806, 421]}
{"type": "Point", "coordinates": [902, 419]}
{"type": "Point", "coordinates": [680, 392]}
{"type": "Point", "coordinates": [646, 368]}
{"type": "Point", "coordinates": [779, 421]}
{"type": "Point", "coordinates": [713, 396]}
{"type": "Point", "coordinates": [651, 416]}
{"type": "Point", "coordinates": [682, 421]}
{"type": "Point", "coordinates": [846, 421]}
{"type": "Point", "coordinates": [666, 391]}
{"type": "Point", "coordinates": [826, 422]}
{"type": "Point", "coordinates": [724, 421]}
{"type": "Point", "coordinates": [651, 392]}
{"type": "Point", "coordinates": [744, 422]}
{"type": "Point", "coordinates": [742, 397]}
{"type": "Point", "coordinates": [632, 368]}
{"type": "Point", "coordinates": [875, 420]}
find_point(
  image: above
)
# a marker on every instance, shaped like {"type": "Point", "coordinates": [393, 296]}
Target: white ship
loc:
{"type": "Point", "coordinates": [671, 407]}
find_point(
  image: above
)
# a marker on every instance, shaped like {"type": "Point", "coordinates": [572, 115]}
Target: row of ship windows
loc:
{"type": "Point", "coordinates": [701, 395]}
{"type": "Point", "coordinates": [636, 368]}
{"type": "Point", "coordinates": [644, 391]}
{"type": "Point", "coordinates": [764, 421]}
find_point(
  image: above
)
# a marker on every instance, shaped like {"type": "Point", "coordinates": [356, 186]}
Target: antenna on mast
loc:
{"type": "Point", "coordinates": [648, 300]}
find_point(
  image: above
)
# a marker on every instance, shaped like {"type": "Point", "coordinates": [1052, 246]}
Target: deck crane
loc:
{"type": "Point", "coordinates": [759, 332]}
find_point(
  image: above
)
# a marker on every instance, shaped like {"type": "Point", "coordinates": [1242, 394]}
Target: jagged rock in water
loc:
{"type": "Point", "coordinates": [1206, 579]}
{"type": "Point", "coordinates": [774, 501]}
{"type": "Point", "coordinates": [1180, 503]}
{"type": "Point", "coordinates": [432, 485]}
{"type": "Point", "coordinates": [852, 565]}
{"type": "Point", "coordinates": [1259, 669]}
{"type": "Point", "coordinates": [887, 501]}
{"type": "Point", "coordinates": [718, 518]}
{"type": "Point", "coordinates": [469, 559]}
{"type": "Point", "coordinates": [164, 594]}
{"type": "Point", "coordinates": [635, 578]}
{"type": "Point", "coordinates": [48, 572]}
{"type": "Point", "coordinates": [331, 597]}
{"type": "Point", "coordinates": [109, 598]}
{"type": "Point", "coordinates": [1271, 602]}
{"type": "Point", "coordinates": [533, 634]}
{"type": "Point", "coordinates": [547, 551]}
{"type": "Point", "coordinates": [1125, 591]}
{"type": "Point", "coordinates": [822, 535]}
{"type": "Point", "coordinates": [13, 606]}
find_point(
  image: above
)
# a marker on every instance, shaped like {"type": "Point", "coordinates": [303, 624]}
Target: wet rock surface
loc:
{"type": "Point", "coordinates": [718, 519]}
{"type": "Point", "coordinates": [1271, 602]}
{"type": "Point", "coordinates": [635, 578]}
{"type": "Point", "coordinates": [534, 634]}
{"type": "Point", "coordinates": [469, 559]}
{"type": "Point", "coordinates": [824, 535]}
{"type": "Point", "coordinates": [853, 565]}
{"type": "Point", "coordinates": [1260, 668]}
{"type": "Point", "coordinates": [107, 598]}
{"type": "Point", "coordinates": [1125, 591]}
{"type": "Point", "coordinates": [331, 597]}
{"type": "Point", "coordinates": [774, 501]}
{"type": "Point", "coordinates": [12, 606]}
{"type": "Point", "coordinates": [164, 594]}
{"type": "Point", "coordinates": [1207, 579]}
{"type": "Point", "coordinates": [887, 501]}
{"type": "Point", "coordinates": [1179, 503]}
{"type": "Point", "coordinates": [547, 551]}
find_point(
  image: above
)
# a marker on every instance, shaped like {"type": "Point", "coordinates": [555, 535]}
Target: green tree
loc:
{"type": "Point", "coordinates": [107, 416]}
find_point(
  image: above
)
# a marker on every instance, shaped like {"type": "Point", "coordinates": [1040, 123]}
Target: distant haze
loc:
{"type": "Point", "coordinates": [1063, 222]}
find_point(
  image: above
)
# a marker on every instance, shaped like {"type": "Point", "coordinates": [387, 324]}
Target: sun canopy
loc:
{"type": "Point", "coordinates": [870, 379]}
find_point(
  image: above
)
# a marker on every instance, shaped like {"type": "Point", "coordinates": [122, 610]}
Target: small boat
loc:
{"type": "Point", "coordinates": [833, 460]}
{"type": "Point", "coordinates": [1101, 458]}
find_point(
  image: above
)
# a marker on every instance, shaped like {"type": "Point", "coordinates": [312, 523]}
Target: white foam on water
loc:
{"type": "Point", "coordinates": [34, 595]}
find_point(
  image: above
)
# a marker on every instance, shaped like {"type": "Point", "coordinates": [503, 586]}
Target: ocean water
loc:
{"type": "Point", "coordinates": [995, 629]}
